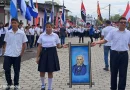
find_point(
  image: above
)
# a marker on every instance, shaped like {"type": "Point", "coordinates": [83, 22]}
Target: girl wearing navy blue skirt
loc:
{"type": "Point", "coordinates": [47, 58]}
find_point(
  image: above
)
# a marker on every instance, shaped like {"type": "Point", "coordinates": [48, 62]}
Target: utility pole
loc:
{"type": "Point", "coordinates": [109, 11]}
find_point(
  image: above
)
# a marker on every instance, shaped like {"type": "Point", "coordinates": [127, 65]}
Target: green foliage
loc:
{"type": "Point", "coordinates": [72, 18]}
{"type": "Point", "coordinates": [115, 17]}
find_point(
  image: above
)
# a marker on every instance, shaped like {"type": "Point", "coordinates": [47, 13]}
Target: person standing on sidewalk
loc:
{"type": "Point", "coordinates": [47, 58]}
{"type": "Point", "coordinates": [107, 45]}
{"type": "Point", "coordinates": [120, 44]}
{"type": "Point", "coordinates": [15, 44]}
{"type": "Point", "coordinates": [63, 35]}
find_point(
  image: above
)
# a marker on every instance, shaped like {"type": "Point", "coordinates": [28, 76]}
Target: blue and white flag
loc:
{"type": "Point", "coordinates": [32, 9]}
{"type": "Point", "coordinates": [51, 18]}
{"type": "Point", "coordinates": [13, 11]}
{"type": "Point", "coordinates": [63, 15]}
{"type": "Point", "coordinates": [45, 20]}
{"type": "Point", "coordinates": [24, 10]}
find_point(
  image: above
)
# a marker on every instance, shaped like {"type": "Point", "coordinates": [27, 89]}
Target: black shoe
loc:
{"type": "Point", "coordinates": [106, 69]}
{"type": "Point", "coordinates": [8, 87]}
{"type": "Point", "coordinates": [43, 88]}
{"type": "Point", "coordinates": [16, 87]}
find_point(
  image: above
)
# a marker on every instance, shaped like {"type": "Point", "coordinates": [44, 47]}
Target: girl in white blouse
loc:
{"type": "Point", "coordinates": [47, 58]}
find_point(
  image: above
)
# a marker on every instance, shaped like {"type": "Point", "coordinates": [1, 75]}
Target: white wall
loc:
{"type": "Point", "coordinates": [41, 15]}
{"type": "Point", "coordinates": [20, 17]}
{"type": "Point", "coordinates": [6, 19]}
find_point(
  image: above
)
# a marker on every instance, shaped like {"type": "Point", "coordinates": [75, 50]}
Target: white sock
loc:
{"type": "Point", "coordinates": [43, 81]}
{"type": "Point", "coordinates": [50, 83]}
{"type": "Point", "coordinates": [0, 51]}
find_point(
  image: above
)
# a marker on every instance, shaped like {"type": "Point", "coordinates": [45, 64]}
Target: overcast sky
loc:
{"type": "Point", "coordinates": [117, 6]}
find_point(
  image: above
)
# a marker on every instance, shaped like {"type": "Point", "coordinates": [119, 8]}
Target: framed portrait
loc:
{"type": "Point", "coordinates": [80, 64]}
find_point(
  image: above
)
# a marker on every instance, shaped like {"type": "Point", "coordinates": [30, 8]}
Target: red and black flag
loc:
{"type": "Point", "coordinates": [83, 12]}
{"type": "Point", "coordinates": [99, 13]}
{"type": "Point", "coordinates": [127, 12]}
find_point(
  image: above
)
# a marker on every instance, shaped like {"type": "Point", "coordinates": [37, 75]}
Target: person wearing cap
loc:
{"type": "Point", "coordinates": [15, 44]}
{"type": "Point", "coordinates": [120, 44]}
{"type": "Point", "coordinates": [47, 57]}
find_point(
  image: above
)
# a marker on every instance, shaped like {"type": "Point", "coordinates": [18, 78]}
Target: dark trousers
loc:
{"type": "Point", "coordinates": [91, 37]}
{"type": "Point", "coordinates": [36, 44]}
{"type": "Point", "coordinates": [62, 40]}
{"type": "Point", "coordinates": [29, 41]}
{"type": "Point", "coordinates": [32, 41]}
{"type": "Point", "coordinates": [68, 34]}
{"type": "Point", "coordinates": [81, 36]}
{"type": "Point", "coordinates": [8, 62]}
{"type": "Point", "coordinates": [118, 62]}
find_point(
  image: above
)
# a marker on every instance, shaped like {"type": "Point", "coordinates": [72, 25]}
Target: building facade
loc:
{"type": "Point", "coordinates": [5, 12]}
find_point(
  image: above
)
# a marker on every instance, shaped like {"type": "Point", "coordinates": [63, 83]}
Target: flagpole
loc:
{"type": "Point", "coordinates": [53, 11]}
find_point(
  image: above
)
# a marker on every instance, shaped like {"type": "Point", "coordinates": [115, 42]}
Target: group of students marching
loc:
{"type": "Point", "coordinates": [81, 32]}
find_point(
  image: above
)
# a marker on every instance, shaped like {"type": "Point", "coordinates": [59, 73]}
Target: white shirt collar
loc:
{"type": "Point", "coordinates": [49, 34]}
{"type": "Point", "coordinates": [18, 31]}
{"type": "Point", "coordinates": [122, 31]}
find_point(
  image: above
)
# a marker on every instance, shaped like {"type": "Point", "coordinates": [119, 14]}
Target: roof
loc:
{"type": "Point", "coordinates": [50, 3]}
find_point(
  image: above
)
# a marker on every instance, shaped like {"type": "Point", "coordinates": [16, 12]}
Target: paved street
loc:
{"type": "Point", "coordinates": [30, 80]}
{"type": "Point", "coordinates": [29, 53]}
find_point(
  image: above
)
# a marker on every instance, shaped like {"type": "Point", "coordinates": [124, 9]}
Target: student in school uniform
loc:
{"type": "Point", "coordinates": [32, 33]}
{"type": "Point", "coordinates": [41, 29]}
{"type": "Point", "coordinates": [120, 44]}
{"type": "Point", "coordinates": [21, 26]}
{"type": "Point", "coordinates": [15, 44]}
{"type": "Point", "coordinates": [28, 36]}
{"type": "Point", "coordinates": [47, 58]}
{"type": "Point", "coordinates": [6, 27]}
{"type": "Point", "coordinates": [3, 32]}
{"type": "Point", "coordinates": [38, 32]}
{"type": "Point", "coordinates": [96, 34]}
{"type": "Point", "coordinates": [81, 34]}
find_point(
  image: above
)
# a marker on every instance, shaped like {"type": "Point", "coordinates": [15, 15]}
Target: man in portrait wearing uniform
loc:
{"type": "Point", "coordinates": [79, 68]}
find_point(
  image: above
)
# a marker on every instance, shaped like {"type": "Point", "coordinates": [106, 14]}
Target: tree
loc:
{"type": "Point", "coordinates": [72, 18]}
{"type": "Point", "coordinates": [115, 18]}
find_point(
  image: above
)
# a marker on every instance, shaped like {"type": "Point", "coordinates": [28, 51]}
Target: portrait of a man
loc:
{"type": "Point", "coordinates": [79, 68]}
